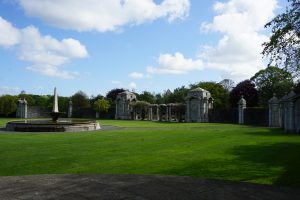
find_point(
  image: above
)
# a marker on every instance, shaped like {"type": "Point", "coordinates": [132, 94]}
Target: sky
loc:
{"type": "Point", "coordinates": [140, 45]}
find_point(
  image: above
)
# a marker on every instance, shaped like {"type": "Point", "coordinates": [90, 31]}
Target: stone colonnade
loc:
{"type": "Point", "coordinates": [161, 112]}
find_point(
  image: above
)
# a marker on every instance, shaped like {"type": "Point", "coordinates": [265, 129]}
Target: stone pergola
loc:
{"type": "Point", "coordinates": [198, 102]}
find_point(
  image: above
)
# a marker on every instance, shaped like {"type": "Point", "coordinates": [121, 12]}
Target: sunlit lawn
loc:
{"type": "Point", "coordinates": [219, 151]}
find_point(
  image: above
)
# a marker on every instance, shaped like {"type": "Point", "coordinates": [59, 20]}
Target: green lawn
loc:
{"type": "Point", "coordinates": [219, 151]}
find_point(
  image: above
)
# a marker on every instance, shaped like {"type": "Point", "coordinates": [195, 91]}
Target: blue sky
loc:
{"type": "Point", "coordinates": [96, 45]}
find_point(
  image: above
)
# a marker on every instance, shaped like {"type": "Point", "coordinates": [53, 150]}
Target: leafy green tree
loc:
{"type": "Point", "coordinates": [146, 96]}
{"type": "Point", "coordinates": [218, 93]}
{"type": "Point", "coordinates": [178, 95]}
{"type": "Point", "coordinates": [112, 94]}
{"type": "Point", "coordinates": [284, 44]}
{"type": "Point", "coordinates": [101, 105]}
{"type": "Point", "coordinates": [249, 92]}
{"type": "Point", "coordinates": [80, 100]}
{"type": "Point", "coordinates": [272, 80]}
{"type": "Point", "coordinates": [8, 105]}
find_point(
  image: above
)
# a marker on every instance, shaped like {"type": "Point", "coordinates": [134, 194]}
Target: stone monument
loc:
{"type": "Point", "coordinates": [274, 112]}
{"type": "Point", "coordinates": [242, 106]}
{"type": "Point", "coordinates": [198, 102]}
{"type": "Point", "coordinates": [123, 109]}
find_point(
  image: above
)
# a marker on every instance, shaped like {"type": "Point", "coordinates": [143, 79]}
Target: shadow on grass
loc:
{"type": "Point", "coordinates": [270, 132]}
{"type": "Point", "coordinates": [276, 164]}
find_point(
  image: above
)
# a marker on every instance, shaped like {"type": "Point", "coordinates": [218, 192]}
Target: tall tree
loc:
{"type": "Point", "coordinates": [146, 96]}
{"type": "Point", "coordinates": [101, 105]}
{"type": "Point", "coordinates": [272, 80]}
{"type": "Point", "coordinates": [249, 92]}
{"type": "Point", "coordinates": [227, 84]}
{"type": "Point", "coordinates": [284, 44]}
{"type": "Point", "coordinates": [112, 94]}
{"type": "Point", "coordinates": [8, 105]}
{"type": "Point", "coordinates": [218, 93]}
{"type": "Point", "coordinates": [80, 100]}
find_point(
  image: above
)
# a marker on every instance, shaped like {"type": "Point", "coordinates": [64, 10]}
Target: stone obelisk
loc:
{"type": "Point", "coordinates": [55, 113]}
{"type": "Point", "coordinates": [55, 102]}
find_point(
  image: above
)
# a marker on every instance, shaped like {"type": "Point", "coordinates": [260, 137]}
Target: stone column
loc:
{"type": "Point", "coordinates": [187, 111]}
{"type": "Point", "coordinates": [25, 109]}
{"type": "Point", "coordinates": [167, 113]}
{"type": "Point", "coordinates": [289, 113]}
{"type": "Point", "coordinates": [70, 110]}
{"type": "Point", "coordinates": [157, 113]}
{"type": "Point", "coordinates": [242, 106]}
{"type": "Point", "coordinates": [274, 112]}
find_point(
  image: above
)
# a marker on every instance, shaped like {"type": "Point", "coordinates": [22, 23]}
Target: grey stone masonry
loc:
{"type": "Point", "coordinates": [274, 112]}
{"type": "Point", "coordinates": [241, 109]}
{"type": "Point", "coordinates": [123, 108]}
{"type": "Point", "coordinates": [198, 102]}
{"type": "Point", "coordinates": [290, 112]}
{"type": "Point", "coordinates": [21, 109]}
{"type": "Point", "coordinates": [70, 109]}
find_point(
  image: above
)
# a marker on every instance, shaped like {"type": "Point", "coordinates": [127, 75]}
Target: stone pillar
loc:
{"type": "Point", "coordinates": [170, 112]}
{"type": "Point", "coordinates": [289, 118]}
{"type": "Point", "coordinates": [241, 108]}
{"type": "Point", "coordinates": [25, 109]}
{"type": "Point", "coordinates": [157, 113]}
{"type": "Point", "coordinates": [150, 114]}
{"type": "Point", "coordinates": [167, 113]}
{"type": "Point", "coordinates": [187, 111]}
{"type": "Point", "coordinates": [274, 112]}
{"type": "Point", "coordinates": [70, 109]}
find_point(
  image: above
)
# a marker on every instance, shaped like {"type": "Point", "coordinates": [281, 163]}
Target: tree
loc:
{"type": "Point", "coordinates": [80, 100]}
{"type": "Point", "coordinates": [249, 92]}
{"type": "Point", "coordinates": [218, 93]}
{"type": "Point", "coordinates": [146, 96]}
{"type": "Point", "coordinates": [101, 105]}
{"type": "Point", "coordinates": [178, 95]}
{"type": "Point", "coordinates": [112, 94]}
{"type": "Point", "coordinates": [272, 80]}
{"type": "Point", "coordinates": [227, 84]}
{"type": "Point", "coordinates": [284, 44]}
{"type": "Point", "coordinates": [8, 105]}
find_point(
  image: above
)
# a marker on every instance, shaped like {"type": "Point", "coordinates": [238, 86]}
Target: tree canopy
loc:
{"type": "Point", "coordinates": [218, 92]}
{"type": "Point", "coordinates": [248, 90]}
{"type": "Point", "coordinates": [272, 80]}
{"type": "Point", "coordinates": [284, 44]}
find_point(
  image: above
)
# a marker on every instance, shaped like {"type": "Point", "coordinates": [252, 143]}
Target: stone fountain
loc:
{"type": "Point", "coordinates": [55, 124]}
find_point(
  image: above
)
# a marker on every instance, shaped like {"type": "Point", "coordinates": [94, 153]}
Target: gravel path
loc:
{"type": "Point", "coordinates": [140, 187]}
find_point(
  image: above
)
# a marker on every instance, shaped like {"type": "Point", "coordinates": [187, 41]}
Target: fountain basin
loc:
{"type": "Point", "coordinates": [47, 125]}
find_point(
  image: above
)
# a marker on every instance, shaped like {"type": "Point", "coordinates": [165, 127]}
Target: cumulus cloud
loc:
{"type": "Point", "coordinates": [103, 15]}
{"type": "Point", "coordinates": [238, 52]}
{"type": "Point", "coordinates": [131, 86]}
{"type": "Point", "coordinates": [9, 35]}
{"type": "Point", "coordinates": [175, 64]}
{"type": "Point", "coordinates": [136, 75]}
{"type": "Point", "coordinates": [46, 54]}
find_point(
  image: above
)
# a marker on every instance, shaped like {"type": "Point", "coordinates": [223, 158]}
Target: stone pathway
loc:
{"type": "Point", "coordinates": [140, 187]}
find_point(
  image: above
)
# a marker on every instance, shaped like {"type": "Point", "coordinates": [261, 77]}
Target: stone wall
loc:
{"type": "Point", "coordinates": [37, 112]}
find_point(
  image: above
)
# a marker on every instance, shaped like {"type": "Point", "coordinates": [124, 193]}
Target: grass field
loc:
{"type": "Point", "coordinates": [219, 151]}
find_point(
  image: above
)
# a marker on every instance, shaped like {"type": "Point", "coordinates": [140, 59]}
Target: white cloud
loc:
{"type": "Point", "coordinates": [9, 35]}
{"type": "Point", "coordinates": [131, 86]}
{"type": "Point", "coordinates": [238, 53]}
{"type": "Point", "coordinates": [103, 15]}
{"type": "Point", "coordinates": [46, 54]}
{"type": "Point", "coordinates": [175, 64]}
{"type": "Point", "coordinates": [9, 90]}
{"type": "Point", "coordinates": [136, 75]}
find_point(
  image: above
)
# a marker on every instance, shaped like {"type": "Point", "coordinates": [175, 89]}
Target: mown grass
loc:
{"type": "Point", "coordinates": [219, 151]}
